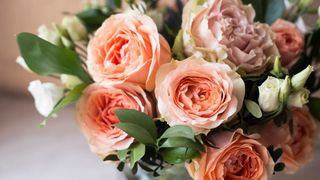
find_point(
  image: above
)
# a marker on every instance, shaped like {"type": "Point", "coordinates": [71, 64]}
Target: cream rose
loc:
{"type": "Point", "coordinates": [269, 94]}
{"type": "Point", "coordinates": [198, 93]}
{"type": "Point", "coordinates": [289, 41]}
{"type": "Point", "coordinates": [95, 115]}
{"type": "Point", "coordinates": [225, 28]}
{"type": "Point", "coordinates": [237, 157]}
{"type": "Point", "coordinates": [127, 48]}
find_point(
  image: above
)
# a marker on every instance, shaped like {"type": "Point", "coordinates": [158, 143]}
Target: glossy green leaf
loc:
{"type": "Point", "coordinates": [122, 154]}
{"type": "Point", "coordinates": [253, 108]}
{"type": "Point", "coordinates": [93, 18]}
{"type": "Point", "coordinates": [137, 152]}
{"type": "Point", "coordinates": [179, 131]}
{"type": "Point", "coordinates": [179, 155]}
{"type": "Point", "coordinates": [68, 99]}
{"type": "Point", "coordinates": [111, 157]}
{"type": "Point", "coordinates": [314, 106]}
{"type": "Point", "coordinates": [181, 142]}
{"type": "Point", "coordinates": [274, 10]}
{"type": "Point", "coordinates": [136, 131]}
{"type": "Point", "coordinates": [138, 118]}
{"type": "Point", "coordinates": [46, 59]}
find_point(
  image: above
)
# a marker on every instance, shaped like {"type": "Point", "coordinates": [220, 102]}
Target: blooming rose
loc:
{"type": "Point", "coordinates": [237, 157]}
{"type": "Point", "coordinates": [127, 48]}
{"type": "Point", "coordinates": [297, 148]}
{"type": "Point", "coordinates": [95, 115]}
{"type": "Point", "coordinates": [289, 41]}
{"type": "Point", "coordinates": [220, 28]}
{"type": "Point", "coordinates": [269, 94]}
{"type": "Point", "coordinates": [198, 93]}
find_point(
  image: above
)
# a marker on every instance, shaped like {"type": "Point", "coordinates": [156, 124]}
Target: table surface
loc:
{"type": "Point", "coordinates": [59, 151]}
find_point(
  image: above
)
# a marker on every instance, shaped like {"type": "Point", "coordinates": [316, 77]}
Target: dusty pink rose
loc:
{"type": "Point", "coordinates": [237, 157]}
{"type": "Point", "coordinates": [127, 48]}
{"type": "Point", "coordinates": [95, 115]}
{"type": "Point", "coordinates": [219, 29]}
{"type": "Point", "coordinates": [289, 41]}
{"type": "Point", "coordinates": [297, 148]}
{"type": "Point", "coordinates": [198, 93]}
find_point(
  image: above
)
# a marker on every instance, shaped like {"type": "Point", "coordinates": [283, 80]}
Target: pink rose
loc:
{"type": "Point", "coordinates": [127, 48]}
{"type": "Point", "coordinates": [95, 115]}
{"type": "Point", "coordinates": [198, 93]}
{"type": "Point", "coordinates": [289, 41]}
{"type": "Point", "coordinates": [237, 158]}
{"type": "Point", "coordinates": [297, 148]}
{"type": "Point", "coordinates": [219, 29]}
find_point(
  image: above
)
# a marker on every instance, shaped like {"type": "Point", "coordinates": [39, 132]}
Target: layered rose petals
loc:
{"type": "Point", "coordinates": [95, 114]}
{"type": "Point", "coordinates": [127, 48]}
{"type": "Point", "coordinates": [289, 41]}
{"type": "Point", "coordinates": [237, 157]}
{"type": "Point", "coordinates": [225, 28]}
{"type": "Point", "coordinates": [197, 93]}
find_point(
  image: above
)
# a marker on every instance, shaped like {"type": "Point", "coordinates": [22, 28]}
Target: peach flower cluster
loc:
{"type": "Point", "coordinates": [297, 148]}
{"type": "Point", "coordinates": [236, 157]}
{"type": "Point", "coordinates": [219, 29]}
{"type": "Point", "coordinates": [197, 93]}
{"type": "Point", "coordinates": [96, 116]}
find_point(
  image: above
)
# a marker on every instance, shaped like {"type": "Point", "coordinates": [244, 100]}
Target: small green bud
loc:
{"type": "Point", "coordinates": [299, 80]}
{"type": "Point", "coordinates": [277, 67]}
{"type": "Point", "coordinates": [285, 90]}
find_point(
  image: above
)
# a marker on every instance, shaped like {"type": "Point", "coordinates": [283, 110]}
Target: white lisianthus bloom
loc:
{"type": "Point", "coordinates": [23, 63]}
{"type": "Point", "coordinates": [75, 28]}
{"type": "Point", "coordinates": [300, 98]}
{"type": "Point", "coordinates": [269, 94]}
{"type": "Point", "coordinates": [70, 81]}
{"type": "Point", "coordinates": [46, 96]}
{"type": "Point", "coordinates": [49, 35]}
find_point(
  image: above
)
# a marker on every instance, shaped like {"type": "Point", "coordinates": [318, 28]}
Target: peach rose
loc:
{"type": "Point", "coordinates": [198, 93]}
{"type": "Point", "coordinates": [127, 48]}
{"type": "Point", "coordinates": [297, 148]}
{"type": "Point", "coordinates": [95, 115]}
{"type": "Point", "coordinates": [225, 29]}
{"type": "Point", "coordinates": [237, 157]}
{"type": "Point", "coordinates": [289, 41]}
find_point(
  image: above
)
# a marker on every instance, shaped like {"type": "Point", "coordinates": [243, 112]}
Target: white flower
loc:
{"type": "Point", "coordinates": [70, 81]}
{"type": "Point", "coordinates": [49, 35]}
{"type": "Point", "coordinates": [75, 28]}
{"type": "Point", "coordinates": [269, 94]}
{"type": "Point", "coordinates": [299, 80]}
{"type": "Point", "coordinates": [300, 98]}
{"type": "Point", "coordinates": [46, 96]}
{"type": "Point", "coordinates": [23, 63]}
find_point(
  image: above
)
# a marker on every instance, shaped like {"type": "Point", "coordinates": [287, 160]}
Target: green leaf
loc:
{"type": "Point", "coordinates": [179, 155]}
{"type": "Point", "coordinates": [121, 166]}
{"type": "Point", "coordinates": [279, 167]}
{"type": "Point", "coordinates": [137, 153]}
{"type": "Point", "coordinates": [253, 108]}
{"type": "Point", "coordinates": [274, 10]}
{"type": "Point", "coordinates": [314, 104]}
{"type": "Point", "coordinates": [136, 131]}
{"type": "Point", "coordinates": [46, 59]}
{"type": "Point", "coordinates": [111, 157]}
{"type": "Point", "coordinates": [181, 142]}
{"type": "Point", "coordinates": [70, 98]}
{"type": "Point", "coordinates": [179, 131]}
{"type": "Point", "coordinates": [93, 18]}
{"type": "Point", "coordinates": [138, 118]}
{"type": "Point", "coordinates": [122, 154]}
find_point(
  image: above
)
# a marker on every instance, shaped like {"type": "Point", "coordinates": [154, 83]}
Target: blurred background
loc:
{"type": "Point", "coordinates": [59, 151]}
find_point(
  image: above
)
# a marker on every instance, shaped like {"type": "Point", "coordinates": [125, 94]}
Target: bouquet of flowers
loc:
{"type": "Point", "coordinates": [221, 86]}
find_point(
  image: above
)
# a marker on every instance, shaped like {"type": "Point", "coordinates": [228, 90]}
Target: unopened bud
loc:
{"type": "Point", "coordinates": [299, 80]}
{"type": "Point", "coordinates": [285, 90]}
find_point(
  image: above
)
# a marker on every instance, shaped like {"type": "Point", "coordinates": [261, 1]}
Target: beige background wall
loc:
{"type": "Point", "coordinates": [24, 15]}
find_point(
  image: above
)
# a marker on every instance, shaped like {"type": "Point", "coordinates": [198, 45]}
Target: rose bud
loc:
{"type": "Point", "coordinates": [269, 94]}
